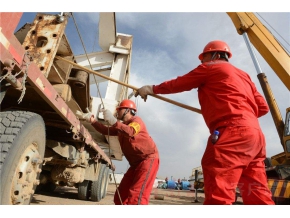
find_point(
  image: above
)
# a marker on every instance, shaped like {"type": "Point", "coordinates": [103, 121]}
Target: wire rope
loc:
{"type": "Point", "coordinates": [275, 32]}
{"type": "Point", "coordinates": [88, 59]}
{"type": "Point", "coordinates": [101, 103]}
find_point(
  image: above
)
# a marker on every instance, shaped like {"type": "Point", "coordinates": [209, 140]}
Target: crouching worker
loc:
{"type": "Point", "coordinates": [138, 148]}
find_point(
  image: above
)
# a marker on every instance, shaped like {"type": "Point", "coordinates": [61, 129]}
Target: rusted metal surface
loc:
{"type": "Point", "coordinates": [28, 167]}
{"type": "Point", "coordinates": [43, 40]}
{"type": "Point", "coordinates": [10, 48]}
{"type": "Point", "coordinates": [66, 174]}
{"type": "Point", "coordinates": [46, 90]}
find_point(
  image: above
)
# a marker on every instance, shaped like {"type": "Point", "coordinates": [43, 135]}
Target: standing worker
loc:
{"type": "Point", "coordinates": [231, 105]}
{"type": "Point", "coordinates": [138, 148]}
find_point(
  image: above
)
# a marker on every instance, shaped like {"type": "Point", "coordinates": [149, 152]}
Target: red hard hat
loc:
{"type": "Point", "coordinates": [127, 104]}
{"type": "Point", "coordinates": [216, 46]}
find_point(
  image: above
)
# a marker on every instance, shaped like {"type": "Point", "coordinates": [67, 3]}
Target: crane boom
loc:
{"type": "Point", "coordinates": [264, 41]}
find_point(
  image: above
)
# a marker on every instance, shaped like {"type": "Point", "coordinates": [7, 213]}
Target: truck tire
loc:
{"type": "Point", "coordinates": [98, 186]}
{"type": "Point", "coordinates": [84, 190]}
{"type": "Point", "coordinates": [106, 182]}
{"type": "Point", "coordinates": [22, 146]}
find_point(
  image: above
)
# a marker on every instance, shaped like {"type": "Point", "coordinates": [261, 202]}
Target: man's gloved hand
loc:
{"type": "Point", "coordinates": [108, 116]}
{"type": "Point", "coordinates": [144, 91]}
{"type": "Point", "coordinates": [84, 116]}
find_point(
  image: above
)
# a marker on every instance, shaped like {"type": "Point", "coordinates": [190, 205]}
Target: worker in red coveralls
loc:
{"type": "Point", "coordinates": [138, 148]}
{"type": "Point", "coordinates": [230, 104]}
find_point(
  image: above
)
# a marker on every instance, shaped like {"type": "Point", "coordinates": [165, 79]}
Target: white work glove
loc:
{"type": "Point", "coordinates": [108, 116]}
{"type": "Point", "coordinates": [144, 91]}
{"type": "Point", "coordinates": [84, 116]}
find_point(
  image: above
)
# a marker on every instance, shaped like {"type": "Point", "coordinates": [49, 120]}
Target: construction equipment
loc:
{"type": "Point", "coordinates": [256, 34]}
{"type": "Point", "coordinates": [43, 143]}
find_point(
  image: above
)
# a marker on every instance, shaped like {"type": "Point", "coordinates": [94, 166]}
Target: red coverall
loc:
{"type": "Point", "coordinates": [142, 154]}
{"type": "Point", "coordinates": [231, 104]}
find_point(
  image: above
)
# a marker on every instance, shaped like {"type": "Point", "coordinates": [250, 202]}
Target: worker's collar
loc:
{"type": "Point", "coordinates": [129, 121]}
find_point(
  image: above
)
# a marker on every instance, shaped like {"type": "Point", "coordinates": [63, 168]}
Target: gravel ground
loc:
{"type": "Point", "coordinates": [68, 196]}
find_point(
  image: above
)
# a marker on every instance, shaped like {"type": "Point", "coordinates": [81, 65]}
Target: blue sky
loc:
{"type": "Point", "coordinates": [166, 44]}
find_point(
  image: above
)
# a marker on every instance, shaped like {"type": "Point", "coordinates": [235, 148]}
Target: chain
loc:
{"type": "Point", "coordinates": [23, 88]}
{"type": "Point", "coordinates": [24, 77]}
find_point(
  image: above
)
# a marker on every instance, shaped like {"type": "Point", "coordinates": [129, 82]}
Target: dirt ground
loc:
{"type": "Point", "coordinates": [69, 196]}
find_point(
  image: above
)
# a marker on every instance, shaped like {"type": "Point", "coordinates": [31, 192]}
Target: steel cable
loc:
{"type": "Point", "coordinates": [102, 105]}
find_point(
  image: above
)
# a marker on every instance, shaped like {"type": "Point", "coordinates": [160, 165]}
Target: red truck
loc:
{"type": "Point", "coordinates": [42, 142]}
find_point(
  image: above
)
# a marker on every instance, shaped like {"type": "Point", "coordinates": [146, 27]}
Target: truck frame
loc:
{"type": "Point", "coordinates": [43, 142]}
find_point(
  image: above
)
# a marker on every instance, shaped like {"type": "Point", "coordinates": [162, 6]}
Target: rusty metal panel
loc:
{"type": "Point", "coordinates": [60, 70]}
{"type": "Point", "coordinates": [43, 39]}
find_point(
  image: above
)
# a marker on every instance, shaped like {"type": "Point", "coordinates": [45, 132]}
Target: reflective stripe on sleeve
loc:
{"type": "Point", "coordinates": [136, 127]}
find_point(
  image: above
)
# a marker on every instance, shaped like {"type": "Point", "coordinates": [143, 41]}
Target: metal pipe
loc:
{"type": "Point", "coordinates": [252, 53]}
{"type": "Point", "coordinates": [195, 180]}
{"type": "Point", "coordinates": [130, 86]}
{"type": "Point", "coordinates": [274, 109]}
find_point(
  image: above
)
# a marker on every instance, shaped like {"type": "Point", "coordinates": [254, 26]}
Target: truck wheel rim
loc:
{"type": "Point", "coordinates": [26, 175]}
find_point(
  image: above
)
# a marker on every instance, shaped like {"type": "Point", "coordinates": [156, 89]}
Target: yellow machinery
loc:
{"type": "Point", "coordinates": [256, 34]}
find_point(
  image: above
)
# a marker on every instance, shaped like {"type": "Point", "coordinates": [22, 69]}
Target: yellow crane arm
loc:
{"type": "Point", "coordinates": [264, 41]}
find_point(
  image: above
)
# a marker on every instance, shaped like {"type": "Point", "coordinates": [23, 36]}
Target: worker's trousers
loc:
{"type": "Point", "coordinates": [236, 160]}
{"type": "Point", "coordinates": [137, 183]}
